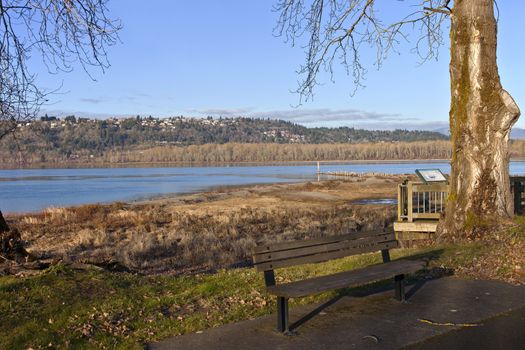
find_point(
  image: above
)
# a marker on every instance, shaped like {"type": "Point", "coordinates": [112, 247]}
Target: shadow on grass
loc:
{"type": "Point", "coordinates": [413, 284]}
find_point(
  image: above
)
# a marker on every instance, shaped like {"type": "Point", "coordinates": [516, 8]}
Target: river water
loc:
{"type": "Point", "coordinates": [29, 190]}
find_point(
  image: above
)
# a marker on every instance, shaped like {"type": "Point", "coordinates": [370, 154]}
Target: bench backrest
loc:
{"type": "Point", "coordinates": [268, 257]}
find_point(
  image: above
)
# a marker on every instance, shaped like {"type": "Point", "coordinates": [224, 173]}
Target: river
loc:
{"type": "Point", "coordinates": [30, 190]}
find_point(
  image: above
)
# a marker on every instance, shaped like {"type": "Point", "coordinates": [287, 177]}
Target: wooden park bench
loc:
{"type": "Point", "coordinates": [269, 257]}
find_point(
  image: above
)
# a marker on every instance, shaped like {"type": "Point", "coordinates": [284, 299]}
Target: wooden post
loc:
{"type": "Point", "coordinates": [518, 190]}
{"type": "Point", "coordinates": [409, 202]}
{"type": "Point", "coordinates": [399, 202]}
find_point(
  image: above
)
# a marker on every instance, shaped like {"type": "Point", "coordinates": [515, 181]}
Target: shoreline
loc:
{"type": "Point", "coordinates": [212, 187]}
{"type": "Point", "coordinates": [106, 165]}
{"type": "Point", "coordinates": [102, 165]}
{"type": "Point", "coordinates": [194, 197]}
{"type": "Point", "coordinates": [212, 229]}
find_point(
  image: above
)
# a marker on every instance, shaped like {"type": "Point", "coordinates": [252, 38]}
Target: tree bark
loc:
{"type": "Point", "coordinates": [11, 244]}
{"type": "Point", "coordinates": [3, 224]}
{"type": "Point", "coordinates": [481, 116]}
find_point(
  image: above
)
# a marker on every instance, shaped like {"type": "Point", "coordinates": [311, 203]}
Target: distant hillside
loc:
{"type": "Point", "coordinates": [515, 133]}
{"type": "Point", "coordinates": [74, 139]}
{"type": "Point", "coordinates": [443, 130]}
{"type": "Point", "coordinates": [72, 133]}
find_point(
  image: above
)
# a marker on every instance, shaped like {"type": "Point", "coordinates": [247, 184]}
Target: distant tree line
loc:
{"type": "Point", "coordinates": [249, 152]}
{"type": "Point", "coordinates": [235, 152]}
{"type": "Point", "coordinates": [240, 152]}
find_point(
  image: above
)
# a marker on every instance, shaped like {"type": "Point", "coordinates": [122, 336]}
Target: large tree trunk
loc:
{"type": "Point", "coordinates": [481, 116]}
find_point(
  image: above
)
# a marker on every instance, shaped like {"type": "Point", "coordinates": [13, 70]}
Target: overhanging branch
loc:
{"type": "Point", "coordinates": [337, 32]}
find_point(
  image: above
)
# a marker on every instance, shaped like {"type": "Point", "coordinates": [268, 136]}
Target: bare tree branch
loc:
{"type": "Point", "coordinates": [62, 32]}
{"type": "Point", "coordinates": [337, 30]}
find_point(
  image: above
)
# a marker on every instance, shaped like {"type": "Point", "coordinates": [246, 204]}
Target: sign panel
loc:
{"type": "Point", "coordinates": [431, 175]}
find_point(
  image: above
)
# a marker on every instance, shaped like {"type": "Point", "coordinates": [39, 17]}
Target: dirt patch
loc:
{"type": "Point", "coordinates": [308, 196]}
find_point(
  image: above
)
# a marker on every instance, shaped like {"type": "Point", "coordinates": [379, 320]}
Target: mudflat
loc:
{"type": "Point", "coordinates": [205, 231]}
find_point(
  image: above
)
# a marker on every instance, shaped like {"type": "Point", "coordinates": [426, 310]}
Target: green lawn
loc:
{"type": "Point", "coordinates": [93, 308]}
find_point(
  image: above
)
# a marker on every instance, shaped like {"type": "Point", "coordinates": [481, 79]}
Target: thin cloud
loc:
{"type": "Point", "coordinates": [307, 116]}
{"type": "Point", "coordinates": [92, 100]}
{"type": "Point", "coordinates": [303, 116]}
{"type": "Point", "coordinates": [82, 114]}
{"type": "Point", "coordinates": [132, 97]}
{"type": "Point", "coordinates": [137, 96]}
{"type": "Point", "coordinates": [439, 126]}
{"type": "Point", "coordinates": [221, 112]}
{"type": "Point", "coordinates": [141, 94]}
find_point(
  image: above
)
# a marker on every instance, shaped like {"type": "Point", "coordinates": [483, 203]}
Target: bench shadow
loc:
{"type": "Point", "coordinates": [413, 285]}
{"type": "Point", "coordinates": [315, 312]}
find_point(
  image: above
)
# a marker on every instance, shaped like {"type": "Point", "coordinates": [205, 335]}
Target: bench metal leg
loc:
{"type": "Point", "coordinates": [400, 287]}
{"type": "Point", "coordinates": [282, 314]}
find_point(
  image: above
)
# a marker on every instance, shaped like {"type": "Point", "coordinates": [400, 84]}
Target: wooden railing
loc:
{"type": "Point", "coordinates": [419, 200]}
{"type": "Point", "coordinates": [517, 184]}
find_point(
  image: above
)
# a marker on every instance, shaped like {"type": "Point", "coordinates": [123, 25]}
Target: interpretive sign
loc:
{"type": "Point", "coordinates": [431, 175]}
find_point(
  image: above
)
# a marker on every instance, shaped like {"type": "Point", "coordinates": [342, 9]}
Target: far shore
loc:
{"type": "Point", "coordinates": [75, 165]}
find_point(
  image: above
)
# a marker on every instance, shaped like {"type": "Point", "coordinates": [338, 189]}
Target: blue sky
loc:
{"type": "Point", "coordinates": [208, 57]}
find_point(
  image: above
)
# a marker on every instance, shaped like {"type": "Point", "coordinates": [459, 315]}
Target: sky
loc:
{"type": "Point", "coordinates": [221, 58]}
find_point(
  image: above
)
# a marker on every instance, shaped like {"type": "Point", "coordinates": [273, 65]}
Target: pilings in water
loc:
{"type": "Point", "coordinates": [352, 173]}
{"type": "Point", "coordinates": [347, 173]}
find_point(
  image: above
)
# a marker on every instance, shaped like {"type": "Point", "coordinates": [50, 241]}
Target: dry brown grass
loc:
{"type": "Point", "coordinates": [204, 231]}
{"type": "Point", "coordinates": [498, 256]}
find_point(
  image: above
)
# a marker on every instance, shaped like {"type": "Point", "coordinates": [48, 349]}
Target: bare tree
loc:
{"type": "Point", "coordinates": [481, 113]}
{"type": "Point", "coordinates": [62, 33]}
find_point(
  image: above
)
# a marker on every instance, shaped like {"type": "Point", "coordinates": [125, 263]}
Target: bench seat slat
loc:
{"type": "Point", "coordinates": [345, 279]}
{"type": "Point", "coordinates": [322, 248]}
{"type": "Point", "coordinates": [352, 250]}
{"type": "Point", "coordinates": [275, 247]}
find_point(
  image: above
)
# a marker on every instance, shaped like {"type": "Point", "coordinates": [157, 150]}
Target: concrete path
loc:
{"type": "Point", "coordinates": [373, 322]}
{"type": "Point", "coordinates": [506, 331]}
